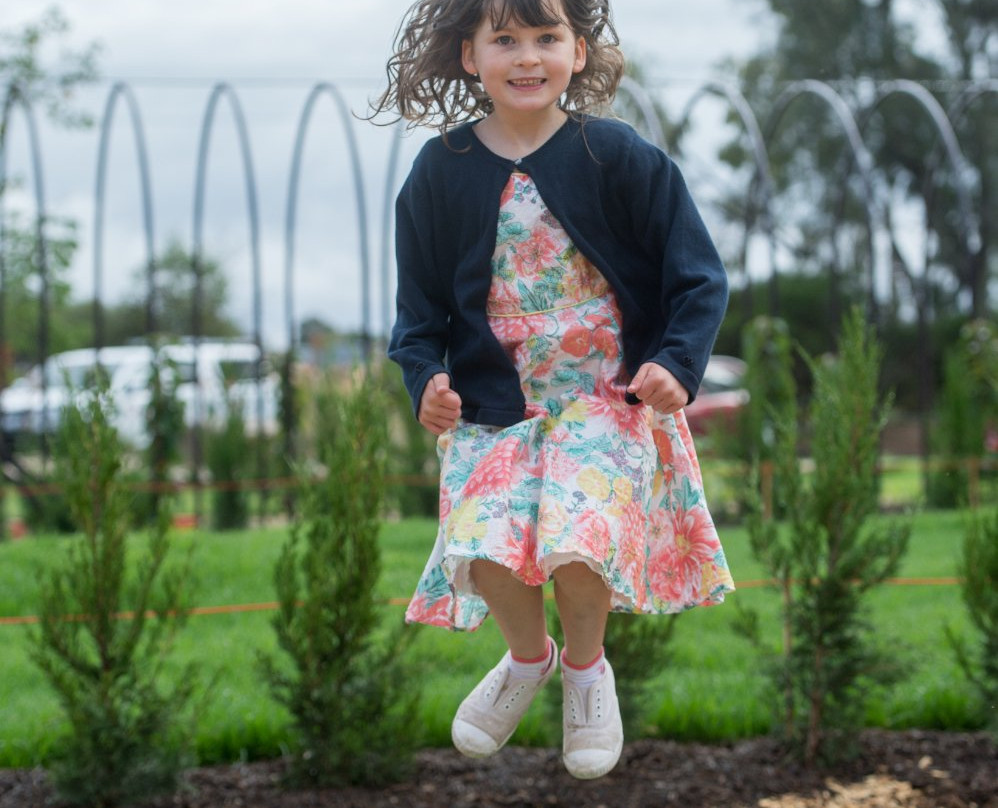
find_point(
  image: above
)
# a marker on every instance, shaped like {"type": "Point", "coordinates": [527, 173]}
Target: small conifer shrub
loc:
{"type": "Point", "coordinates": [106, 629]}
{"type": "Point", "coordinates": [349, 688]}
{"type": "Point", "coordinates": [229, 455]}
{"type": "Point", "coordinates": [828, 556]}
{"type": "Point", "coordinates": [979, 585]}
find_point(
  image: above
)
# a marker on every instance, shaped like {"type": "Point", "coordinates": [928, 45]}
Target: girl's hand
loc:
{"type": "Point", "coordinates": [439, 407]}
{"type": "Point", "coordinates": [659, 389]}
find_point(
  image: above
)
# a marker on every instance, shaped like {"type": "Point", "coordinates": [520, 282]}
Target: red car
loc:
{"type": "Point", "coordinates": [721, 396]}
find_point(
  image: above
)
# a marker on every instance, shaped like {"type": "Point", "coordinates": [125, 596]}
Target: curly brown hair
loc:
{"type": "Point", "coordinates": [427, 84]}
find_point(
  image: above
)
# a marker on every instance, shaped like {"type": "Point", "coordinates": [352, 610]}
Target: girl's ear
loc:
{"type": "Point", "coordinates": [468, 57]}
{"type": "Point", "coordinates": [580, 55]}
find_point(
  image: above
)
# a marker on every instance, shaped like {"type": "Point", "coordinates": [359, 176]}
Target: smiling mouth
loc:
{"type": "Point", "coordinates": [527, 82]}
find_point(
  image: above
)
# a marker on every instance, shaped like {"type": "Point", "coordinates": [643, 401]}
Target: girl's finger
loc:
{"type": "Point", "coordinates": [638, 381]}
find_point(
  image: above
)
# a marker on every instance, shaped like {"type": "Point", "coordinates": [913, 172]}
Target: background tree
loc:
{"type": "Point", "coordinates": [822, 221]}
{"type": "Point", "coordinates": [172, 301]}
{"type": "Point", "coordinates": [972, 33]}
{"type": "Point", "coordinates": [35, 60]}
{"type": "Point", "coordinates": [22, 294]}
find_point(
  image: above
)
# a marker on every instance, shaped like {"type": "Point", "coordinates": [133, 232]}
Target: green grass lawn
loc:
{"type": "Point", "coordinates": [712, 690]}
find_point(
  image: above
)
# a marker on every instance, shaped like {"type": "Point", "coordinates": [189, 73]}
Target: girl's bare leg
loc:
{"type": "Point", "coordinates": [517, 608]}
{"type": "Point", "coordinates": [489, 715]}
{"type": "Point", "coordinates": [583, 601]}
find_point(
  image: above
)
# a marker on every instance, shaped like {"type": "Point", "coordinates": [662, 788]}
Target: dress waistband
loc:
{"type": "Point", "coordinates": [549, 311]}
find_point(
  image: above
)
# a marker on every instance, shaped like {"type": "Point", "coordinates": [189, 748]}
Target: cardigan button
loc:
{"type": "Point", "coordinates": [687, 361]}
{"type": "Point", "coordinates": [420, 366]}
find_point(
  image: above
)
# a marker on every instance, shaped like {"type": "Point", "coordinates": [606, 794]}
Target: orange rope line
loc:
{"type": "Point", "coordinates": [245, 608]}
{"type": "Point", "coordinates": [944, 581]}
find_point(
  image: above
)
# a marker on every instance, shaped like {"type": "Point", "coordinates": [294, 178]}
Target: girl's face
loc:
{"type": "Point", "coordinates": [525, 69]}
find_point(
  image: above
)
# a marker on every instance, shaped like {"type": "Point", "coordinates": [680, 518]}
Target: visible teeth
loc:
{"type": "Point", "coordinates": [527, 82]}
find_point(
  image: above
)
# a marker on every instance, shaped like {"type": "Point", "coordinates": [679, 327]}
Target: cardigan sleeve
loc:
{"type": "Point", "coordinates": [694, 284]}
{"type": "Point", "coordinates": [420, 335]}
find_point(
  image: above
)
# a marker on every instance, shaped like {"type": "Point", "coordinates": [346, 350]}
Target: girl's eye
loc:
{"type": "Point", "coordinates": [548, 39]}
{"type": "Point", "coordinates": [505, 39]}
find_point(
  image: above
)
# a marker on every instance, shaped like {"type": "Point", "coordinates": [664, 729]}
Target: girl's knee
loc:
{"type": "Point", "coordinates": [481, 566]}
{"type": "Point", "coordinates": [577, 574]}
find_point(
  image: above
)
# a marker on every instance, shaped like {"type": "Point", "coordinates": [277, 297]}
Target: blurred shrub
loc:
{"type": "Point", "coordinates": [348, 688]}
{"type": "Point", "coordinates": [968, 409]}
{"type": "Point", "coordinates": [412, 463]}
{"type": "Point", "coordinates": [166, 429]}
{"type": "Point", "coordinates": [979, 574]}
{"type": "Point", "coordinates": [129, 733]}
{"type": "Point", "coordinates": [46, 509]}
{"type": "Point", "coordinates": [769, 380]}
{"type": "Point", "coordinates": [230, 457]}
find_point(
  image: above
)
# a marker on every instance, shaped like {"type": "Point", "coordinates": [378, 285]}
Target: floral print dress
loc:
{"type": "Point", "coordinates": [586, 476]}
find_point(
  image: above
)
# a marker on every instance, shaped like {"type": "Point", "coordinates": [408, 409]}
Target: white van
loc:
{"type": "Point", "coordinates": [33, 404]}
{"type": "Point", "coordinates": [225, 373]}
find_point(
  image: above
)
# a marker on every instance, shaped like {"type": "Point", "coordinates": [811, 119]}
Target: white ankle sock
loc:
{"type": "Point", "coordinates": [530, 669]}
{"type": "Point", "coordinates": [585, 677]}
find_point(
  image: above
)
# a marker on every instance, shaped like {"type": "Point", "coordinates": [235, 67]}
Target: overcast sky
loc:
{"type": "Point", "coordinates": [273, 51]}
{"type": "Point", "coordinates": [330, 38]}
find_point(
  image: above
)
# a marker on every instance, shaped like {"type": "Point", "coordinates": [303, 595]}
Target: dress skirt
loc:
{"type": "Point", "coordinates": [586, 476]}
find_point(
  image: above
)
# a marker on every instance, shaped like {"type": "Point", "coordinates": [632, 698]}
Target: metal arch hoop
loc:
{"type": "Point", "coordinates": [958, 110]}
{"type": "Point", "coordinates": [637, 93]}
{"type": "Point", "coordinates": [122, 90]}
{"type": "Point", "coordinates": [219, 91]}
{"type": "Point", "coordinates": [761, 185]}
{"type": "Point", "coordinates": [15, 95]}
{"type": "Point", "coordinates": [386, 224]}
{"type": "Point", "coordinates": [966, 98]}
{"type": "Point", "coordinates": [969, 95]}
{"type": "Point", "coordinates": [860, 156]}
{"type": "Point", "coordinates": [292, 210]}
{"type": "Point", "coordinates": [951, 144]}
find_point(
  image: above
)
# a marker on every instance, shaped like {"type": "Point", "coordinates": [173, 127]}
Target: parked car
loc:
{"type": "Point", "coordinates": [33, 404]}
{"type": "Point", "coordinates": [722, 396]}
{"type": "Point", "coordinates": [224, 374]}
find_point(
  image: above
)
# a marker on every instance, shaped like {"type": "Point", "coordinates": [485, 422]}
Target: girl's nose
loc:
{"type": "Point", "coordinates": [527, 55]}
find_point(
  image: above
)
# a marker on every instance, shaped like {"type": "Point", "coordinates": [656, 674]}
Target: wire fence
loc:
{"type": "Point", "coordinates": [271, 606]}
{"type": "Point", "coordinates": [943, 110]}
{"type": "Point", "coordinates": [904, 483]}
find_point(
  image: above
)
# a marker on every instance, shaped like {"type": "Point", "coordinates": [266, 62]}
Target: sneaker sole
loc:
{"type": "Point", "coordinates": [470, 751]}
{"type": "Point", "coordinates": [592, 774]}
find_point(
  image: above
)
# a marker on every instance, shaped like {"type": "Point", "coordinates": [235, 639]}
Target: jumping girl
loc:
{"type": "Point", "coordinates": [558, 299]}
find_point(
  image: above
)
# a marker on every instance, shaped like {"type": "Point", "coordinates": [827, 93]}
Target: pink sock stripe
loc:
{"type": "Point", "coordinates": [542, 658]}
{"type": "Point", "coordinates": [585, 667]}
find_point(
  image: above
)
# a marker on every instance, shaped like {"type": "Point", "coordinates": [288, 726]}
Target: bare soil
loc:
{"type": "Point", "coordinates": [912, 769]}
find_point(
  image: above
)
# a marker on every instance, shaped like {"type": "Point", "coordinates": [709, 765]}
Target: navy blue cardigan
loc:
{"type": "Point", "coordinates": [624, 204]}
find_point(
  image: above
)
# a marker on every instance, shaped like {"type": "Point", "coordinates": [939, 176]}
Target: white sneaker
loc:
{"type": "Point", "coordinates": [594, 734]}
{"type": "Point", "coordinates": [490, 714]}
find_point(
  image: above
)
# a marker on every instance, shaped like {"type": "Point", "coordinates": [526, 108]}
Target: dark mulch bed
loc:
{"type": "Point", "coordinates": [894, 769]}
